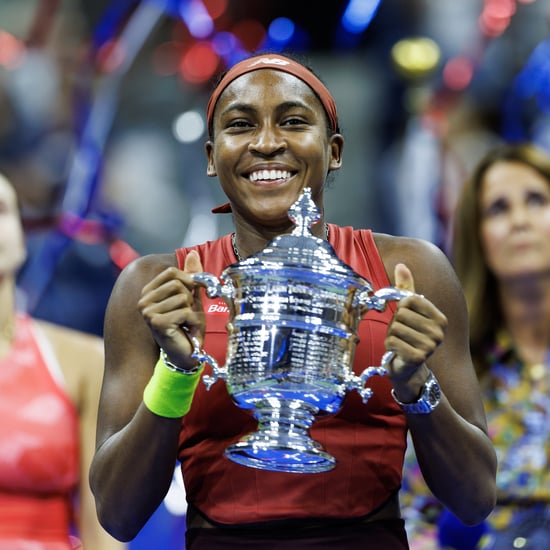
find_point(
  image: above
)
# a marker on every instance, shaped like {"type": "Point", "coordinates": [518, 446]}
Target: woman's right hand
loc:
{"type": "Point", "coordinates": [171, 305]}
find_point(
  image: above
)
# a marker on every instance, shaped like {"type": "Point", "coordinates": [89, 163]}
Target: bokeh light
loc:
{"type": "Point", "coordinates": [111, 55]}
{"type": "Point", "coordinates": [458, 73]}
{"type": "Point", "coordinates": [493, 26]}
{"type": "Point", "coordinates": [12, 50]}
{"type": "Point", "coordinates": [224, 43]}
{"type": "Point", "coordinates": [188, 127]}
{"type": "Point", "coordinates": [199, 63]}
{"type": "Point", "coordinates": [415, 57]}
{"type": "Point", "coordinates": [281, 30]}
{"type": "Point", "coordinates": [197, 18]}
{"type": "Point", "coordinates": [215, 8]}
{"type": "Point", "coordinates": [496, 16]}
{"type": "Point", "coordinates": [500, 8]}
{"type": "Point", "coordinates": [359, 14]}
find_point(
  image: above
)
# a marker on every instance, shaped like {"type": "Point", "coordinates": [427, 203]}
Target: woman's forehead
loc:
{"type": "Point", "coordinates": [265, 84]}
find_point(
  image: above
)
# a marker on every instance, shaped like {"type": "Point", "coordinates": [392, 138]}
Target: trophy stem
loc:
{"type": "Point", "coordinates": [282, 442]}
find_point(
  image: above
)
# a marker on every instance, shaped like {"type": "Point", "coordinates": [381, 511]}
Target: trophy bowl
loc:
{"type": "Point", "coordinates": [294, 313]}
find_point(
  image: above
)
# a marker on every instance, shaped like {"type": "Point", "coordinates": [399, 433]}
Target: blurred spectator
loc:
{"type": "Point", "coordinates": [50, 378]}
{"type": "Point", "coordinates": [501, 251]}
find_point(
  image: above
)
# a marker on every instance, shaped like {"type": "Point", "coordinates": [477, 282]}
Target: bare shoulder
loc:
{"type": "Point", "coordinates": [434, 276]}
{"type": "Point", "coordinates": [419, 255]}
{"type": "Point", "coordinates": [145, 268]}
{"type": "Point", "coordinates": [129, 285]}
{"type": "Point", "coordinates": [79, 355]}
{"type": "Point", "coordinates": [69, 338]}
{"type": "Point", "coordinates": [127, 336]}
{"type": "Point", "coordinates": [135, 276]}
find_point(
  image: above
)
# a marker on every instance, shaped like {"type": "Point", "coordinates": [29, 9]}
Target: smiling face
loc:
{"type": "Point", "coordinates": [515, 220]}
{"type": "Point", "coordinates": [12, 241]}
{"type": "Point", "coordinates": [270, 142]}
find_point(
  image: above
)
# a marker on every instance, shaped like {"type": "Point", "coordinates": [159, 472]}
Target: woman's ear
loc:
{"type": "Point", "coordinates": [210, 168]}
{"type": "Point", "coordinates": [336, 150]}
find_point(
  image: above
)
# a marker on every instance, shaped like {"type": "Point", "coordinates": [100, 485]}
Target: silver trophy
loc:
{"type": "Point", "coordinates": [294, 314]}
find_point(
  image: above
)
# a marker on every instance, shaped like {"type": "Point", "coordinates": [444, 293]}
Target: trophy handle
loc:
{"type": "Point", "coordinates": [218, 373]}
{"type": "Point", "coordinates": [358, 382]}
{"type": "Point", "coordinates": [378, 300]}
{"type": "Point", "coordinates": [211, 282]}
{"type": "Point", "coordinates": [201, 355]}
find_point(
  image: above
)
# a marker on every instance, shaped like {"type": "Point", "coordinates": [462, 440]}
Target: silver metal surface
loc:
{"type": "Point", "coordinates": [294, 314]}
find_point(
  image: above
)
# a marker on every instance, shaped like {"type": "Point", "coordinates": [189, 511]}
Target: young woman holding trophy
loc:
{"type": "Point", "coordinates": [376, 300]}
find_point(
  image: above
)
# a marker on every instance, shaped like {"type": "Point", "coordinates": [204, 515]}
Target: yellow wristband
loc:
{"type": "Point", "coordinates": [169, 393]}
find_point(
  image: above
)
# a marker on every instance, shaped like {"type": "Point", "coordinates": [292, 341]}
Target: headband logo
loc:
{"type": "Point", "coordinates": [269, 61]}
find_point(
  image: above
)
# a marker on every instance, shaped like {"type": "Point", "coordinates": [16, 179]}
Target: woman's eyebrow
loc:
{"type": "Point", "coordinates": [238, 106]}
{"type": "Point", "coordinates": [247, 107]}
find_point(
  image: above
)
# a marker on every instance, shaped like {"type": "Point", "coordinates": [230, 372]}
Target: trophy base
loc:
{"type": "Point", "coordinates": [282, 443]}
{"type": "Point", "coordinates": [277, 457]}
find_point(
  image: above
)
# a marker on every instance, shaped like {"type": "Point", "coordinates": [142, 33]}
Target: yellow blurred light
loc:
{"type": "Point", "coordinates": [415, 57]}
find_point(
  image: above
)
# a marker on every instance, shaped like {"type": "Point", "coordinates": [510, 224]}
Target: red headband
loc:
{"type": "Point", "coordinates": [278, 63]}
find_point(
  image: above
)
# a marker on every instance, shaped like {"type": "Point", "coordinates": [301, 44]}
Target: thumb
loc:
{"type": "Point", "coordinates": [403, 277]}
{"type": "Point", "coordinates": [193, 262]}
{"type": "Point", "coordinates": [193, 265]}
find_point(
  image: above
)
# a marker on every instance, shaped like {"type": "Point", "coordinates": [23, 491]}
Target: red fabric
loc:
{"type": "Point", "coordinates": [38, 448]}
{"type": "Point", "coordinates": [34, 521]}
{"type": "Point", "coordinates": [367, 440]}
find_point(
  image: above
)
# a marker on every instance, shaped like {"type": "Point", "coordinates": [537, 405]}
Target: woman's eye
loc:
{"type": "Point", "coordinates": [238, 124]}
{"type": "Point", "coordinates": [496, 208]}
{"type": "Point", "coordinates": [537, 199]}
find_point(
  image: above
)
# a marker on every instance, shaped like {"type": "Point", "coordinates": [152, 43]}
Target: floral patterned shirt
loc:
{"type": "Point", "coordinates": [517, 402]}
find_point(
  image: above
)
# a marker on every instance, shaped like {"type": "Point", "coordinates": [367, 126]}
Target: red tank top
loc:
{"type": "Point", "coordinates": [39, 453]}
{"type": "Point", "coordinates": [367, 440]}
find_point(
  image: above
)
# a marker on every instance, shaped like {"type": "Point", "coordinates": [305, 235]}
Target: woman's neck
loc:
{"type": "Point", "coordinates": [526, 314]}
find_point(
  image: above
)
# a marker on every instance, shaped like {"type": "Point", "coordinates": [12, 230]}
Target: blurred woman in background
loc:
{"type": "Point", "coordinates": [50, 378]}
{"type": "Point", "coordinates": [501, 252]}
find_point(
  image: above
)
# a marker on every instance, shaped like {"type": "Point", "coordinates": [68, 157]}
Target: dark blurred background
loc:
{"type": "Point", "coordinates": [102, 118]}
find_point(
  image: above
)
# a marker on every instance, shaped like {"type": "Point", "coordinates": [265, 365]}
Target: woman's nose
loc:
{"type": "Point", "coordinates": [267, 141]}
{"type": "Point", "coordinates": [519, 215]}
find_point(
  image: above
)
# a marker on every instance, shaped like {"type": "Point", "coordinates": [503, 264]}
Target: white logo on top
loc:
{"type": "Point", "coordinates": [269, 61]}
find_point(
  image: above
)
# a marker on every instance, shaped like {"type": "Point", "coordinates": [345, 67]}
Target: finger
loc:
{"type": "Point", "coordinates": [193, 262]}
{"type": "Point", "coordinates": [403, 277]}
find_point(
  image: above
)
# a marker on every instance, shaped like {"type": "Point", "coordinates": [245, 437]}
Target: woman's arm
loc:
{"type": "Point", "coordinates": [137, 449]}
{"type": "Point", "coordinates": [455, 454]}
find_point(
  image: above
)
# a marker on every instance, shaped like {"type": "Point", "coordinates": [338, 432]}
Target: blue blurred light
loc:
{"type": "Point", "coordinates": [534, 79]}
{"type": "Point", "coordinates": [197, 19]}
{"type": "Point", "coordinates": [359, 14]}
{"type": "Point", "coordinates": [281, 30]}
{"type": "Point", "coordinates": [224, 43]}
{"type": "Point", "coordinates": [229, 47]}
{"type": "Point", "coordinates": [532, 83]}
{"type": "Point", "coordinates": [110, 22]}
{"type": "Point", "coordinates": [170, 7]}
